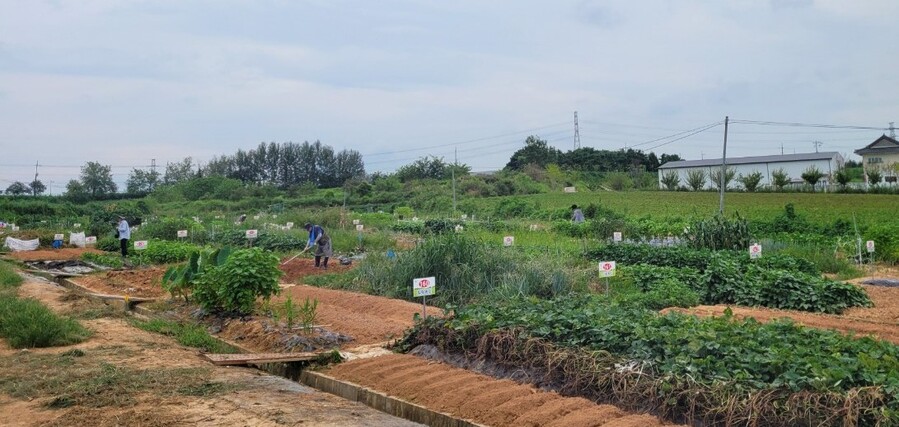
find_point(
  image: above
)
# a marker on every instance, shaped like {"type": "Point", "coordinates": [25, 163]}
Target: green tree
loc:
{"type": "Point", "coordinates": [75, 191]}
{"type": "Point", "coordinates": [142, 181]}
{"type": "Point", "coordinates": [17, 189]}
{"type": "Point", "coordinates": [37, 187]}
{"type": "Point", "coordinates": [696, 179]}
{"type": "Point", "coordinates": [841, 176]}
{"type": "Point", "coordinates": [812, 175]}
{"type": "Point", "coordinates": [179, 171]}
{"type": "Point", "coordinates": [535, 151]}
{"type": "Point", "coordinates": [97, 179]}
{"type": "Point", "coordinates": [751, 182]}
{"type": "Point", "coordinates": [430, 168]}
{"type": "Point", "coordinates": [670, 180]}
{"type": "Point", "coordinates": [874, 175]}
{"type": "Point", "coordinates": [715, 176]}
{"type": "Point", "coordinates": [780, 178]}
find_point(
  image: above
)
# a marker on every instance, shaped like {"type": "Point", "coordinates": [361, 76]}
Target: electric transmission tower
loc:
{"type": "Point", "coordinates": [577, 133]}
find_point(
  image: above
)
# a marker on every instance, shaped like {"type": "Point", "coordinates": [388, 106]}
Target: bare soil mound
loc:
{"type": "Point", "coordinates": [479, 398]}
{"type": "Point", "coordinates": [53, 254]}
{"type": "Point", "coordinates": [144, 282]}
{"type": "Point", "coordinates": [301, 267]}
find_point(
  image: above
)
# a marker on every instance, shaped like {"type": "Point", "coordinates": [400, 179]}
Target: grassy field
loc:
{"type": "Point", "coordinates": [817, 207]}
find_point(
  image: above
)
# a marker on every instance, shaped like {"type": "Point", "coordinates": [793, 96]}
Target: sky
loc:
{"type": "Point", "coordinates": [125, 82]}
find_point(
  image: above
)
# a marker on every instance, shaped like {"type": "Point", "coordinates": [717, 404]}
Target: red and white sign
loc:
{"type": "Point", "coordinates": [616, 236]}
{"type": "Point", "coordinates": [252, 234]}
{"type": "Point", "coordinates": [182, 233]}
{"type": "Point", "coordinates": [140, 245]}
{"type": "Point", "coordinates": [424, 286]}
{"type": "Point", "coordinates": [359, 227]}
{"type": "Point", "coordinates": [508, 240]}
{"type": "Point", "coordinates": [606, 268]}
{"type": "Point", "coordinates": [755, 251]}
{"type": "Point", "coordinates": [90, 240]}
{"type": "Point", "coordinates": [870, 245]}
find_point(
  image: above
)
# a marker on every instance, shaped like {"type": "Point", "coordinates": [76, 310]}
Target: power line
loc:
{"type": "Point", "coordinates": [699, 130]}
{"type": "Point", "coordinates": [811, 125]}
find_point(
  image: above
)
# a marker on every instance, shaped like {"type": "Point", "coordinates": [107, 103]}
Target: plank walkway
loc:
{"type": "Point", "coordinates": [255, 358]}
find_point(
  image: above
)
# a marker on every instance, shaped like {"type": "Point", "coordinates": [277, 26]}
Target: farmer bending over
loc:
{"type": "Point", "coordinates": [317, 236]}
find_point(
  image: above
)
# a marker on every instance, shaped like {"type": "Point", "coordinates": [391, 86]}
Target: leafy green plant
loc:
{"type": "Point", "coordinates": [696, 179]}
{"type": "Point", "coordinates": [308, 313]}
{"type": "Point", "coordinates": [751, 182]}
{"type": "Point", "coordinates": [179, 281]}
{"type": "Point", "coordinates": [106, 260]}
{"type": "Point", "coordinates": [780, 179]}
{"type": "Point", "coordinates": [715, 177]}
{"type": "Point", "coordinates": [670, 180]}
{"type": "Point", "coordinates": [719, 232]}
{"type": "Point", "coordinates": [812, 175]}
{"type": "Point", "coordinates": [234, 286]}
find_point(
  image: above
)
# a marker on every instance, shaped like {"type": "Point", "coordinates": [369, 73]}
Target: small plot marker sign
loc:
{"type": "Point", "coordinates": [252, 234]}
{"type": "Point", "coordinates": [359, 227]}
{"type": "Point", "coordinates": [508, 240]}
{"type": "Point", "coordinates": [58, 236]}
{"type": "Point", "coordinates": [424, 286]}
{"type": "Point", "coordinates": [90, 240]}
{"type": "Point", "coordinates": [606, 268]}
{"type": "Point", "coordinates": [356, 222]}
{"type": "Point", "coordinates": [77, 225]}
{"type": "Point", "coordinates": [870, 246]}
{"type": "Point", "coordinates": [616, 236]}
{"type": "Point", "coordinates": [755, 251]}
{"type": "Point", "coordinates": [182, 233]}
{"type": "Point", "coordinates": [140, 245]}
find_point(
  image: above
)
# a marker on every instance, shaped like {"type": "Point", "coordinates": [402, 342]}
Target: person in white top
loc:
{"type": "Point", "coordinates": [123, 232]}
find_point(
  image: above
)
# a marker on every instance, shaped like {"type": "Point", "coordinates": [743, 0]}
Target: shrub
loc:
{"type": "Point", "coordinates": [719, 233]}
{"type": "Point", "coordinates": [666, 293]}
{"type": "Point", "coordinates": [163, 252]}
{"type": "Point", "coordinates": [234, 286]}
{"type": "Point", "coordinates": [26, 323]}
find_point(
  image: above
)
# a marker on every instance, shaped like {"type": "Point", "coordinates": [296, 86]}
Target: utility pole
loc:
{"type": "Point", "coordinates": [721, 180]}
{"type": "Point", "coordinates": [577, 133]}
{"type": "Point", "coordinates": [455, 164]}
{"type": "Point", "coordinates": [36, 164]}
{"type": "Point", "coordinates": [817, 144]}
{"type": "Point", "coordinates": [781, 148]}
{"type": "Point", "coordinates": [892, 130]}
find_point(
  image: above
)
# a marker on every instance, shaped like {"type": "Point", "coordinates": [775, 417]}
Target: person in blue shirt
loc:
{"type": "Point", "coordinates": [576, 214]}
{"type": "Point", "coordinates": [320, 239]}
{"type": "Point", "coordinates": [123, 232]}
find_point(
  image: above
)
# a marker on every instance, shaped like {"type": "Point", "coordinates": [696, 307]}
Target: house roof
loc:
{"type": "Point", "coordinates": [825, 155]}
{"type": "Point", "coordinates": [882, 145]}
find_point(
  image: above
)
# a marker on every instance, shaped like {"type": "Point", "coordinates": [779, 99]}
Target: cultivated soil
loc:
{"type": "Point", "coordinates": [302, 266]}
{"type": "Point", "coordinates": [125, 376]}
{"type": "Point", "coordinates": [880, 321]}
{"type": "Point", "coordinates": [140, 282]}
{"type": "Point", "coordinates": [52, 254]}
{"type": "Point", "coordinates": [480, 398]}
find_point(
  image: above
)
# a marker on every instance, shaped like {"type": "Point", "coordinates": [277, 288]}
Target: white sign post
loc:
{"type": "Point", "coordinates": [360, 227]}
{"type": "Point", "coordinates": [289, 225]}
{"type": "Point", "coordinates": [755, 251]}
{"type": "Point", "coordinates": [140, 245]}
{"type": "Point", "coordinates": [251, 235]}
{"type": "Point", "coordinates": [422, 287]}
{"type": "Point", "coordinates": [182, 234]}
{"type": "Point", "coordinates": [90, 240]}
{"type": "Point", "coordinates": [870, 245]}
{"type": "Point", "coordinates": [616, 236]}
{"type": "Point", "coordinates": [356, 222]}
{"type": "Point", "coordinates": [508, 241]}
{"type": "Point", "coordinates": [59, 236]}
{"type": "Point", "coordinates": [76, 225]}
{"type": "Point", "coordinates": [606, 270]}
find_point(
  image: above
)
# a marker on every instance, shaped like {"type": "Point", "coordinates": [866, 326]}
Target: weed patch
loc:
{"type": "Point", "coordinates": [190, 335]}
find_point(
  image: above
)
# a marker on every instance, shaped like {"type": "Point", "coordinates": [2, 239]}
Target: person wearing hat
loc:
{"type": "Point", "coordinates": [123, 232]}
{"type": "Point", "coordinates": [317, 236]}
{"type": "Point", "coordinates": [576, 215]}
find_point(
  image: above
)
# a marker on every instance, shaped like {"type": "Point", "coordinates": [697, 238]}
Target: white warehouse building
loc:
{"type": "Point", "coordinates": [793, 164]}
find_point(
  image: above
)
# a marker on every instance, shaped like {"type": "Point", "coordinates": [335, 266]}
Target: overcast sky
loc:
{"type": "Point", "coordinates": [124, 82]}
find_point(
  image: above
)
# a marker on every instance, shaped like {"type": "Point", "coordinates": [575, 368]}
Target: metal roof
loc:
{"type": "Point", "coordinates": [824, 155]}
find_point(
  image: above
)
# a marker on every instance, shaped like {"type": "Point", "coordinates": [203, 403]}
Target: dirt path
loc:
{"type": "Point", "coordinates": [480, 398]}
{"type": "Point", "coordinates": [52, 254]}
{"type": "Point", "coordinates": [126, 376]}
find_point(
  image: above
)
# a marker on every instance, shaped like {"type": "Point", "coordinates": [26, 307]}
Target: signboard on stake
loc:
{"type": "Point", "coordinates": [140, 245]}
{"type": "Point", "coordinates": [289, 225]}
{"type": "Point", "coordinates": [359, 227]}
{"type": "Point", "coordinates": [90, 240]}
{"type": "Point", "coordinates": [464, 216]}
{"type": "Point", "coordinates": [252, 234]}
{"type": "Point", "coordinates": [870, 245]}
{"type": "Point", "coordinates": [755, 251]}
{"type": "Point", "coordinates": [182, 233]}
{"type": "Point", "coordinates": [616, 236]}
{"type": "Point", "coordinates": [76, 225]}
{"type": "Point", "coordinates": [58, 236]}
{"type": "Point", "coordinates": [606, 268]}
{"type": "Point", "coordinates": [570, 190]}
{"type": "Point", "coordinates": [508, 240]}
{"type": "Point", "coordinates": [422, 287]}
{"type": "Point", "coordinates": [355, 222]}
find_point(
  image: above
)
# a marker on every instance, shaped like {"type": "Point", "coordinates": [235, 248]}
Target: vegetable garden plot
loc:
{"type": "Point", "coordinates": [53, 254]}
{"type": "Point", "coordinates": [719, 371]}
{"type": "Point", "coordinates": [135, 283]}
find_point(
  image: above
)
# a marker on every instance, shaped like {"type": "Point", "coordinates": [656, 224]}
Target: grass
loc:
{"type": "Point", "coordinates": [26, 323]}
{"type": "Point", "coordinates": [190, 335]}
{"type": "Point", "coordinates": [86, 379]}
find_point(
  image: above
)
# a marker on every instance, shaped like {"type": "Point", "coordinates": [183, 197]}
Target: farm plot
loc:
{"type": "Point", "coordinates": [299, 267]}
{"type": "Point", "coordinates": [53, 254]}
{"type": "Point", "coordinates": [144, 282]}
{"type": "Point", "coordinates": [480, 398]}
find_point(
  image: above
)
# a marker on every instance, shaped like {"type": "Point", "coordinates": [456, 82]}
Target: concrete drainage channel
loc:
{"type": "Point", "coordinates": [291, 370]}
